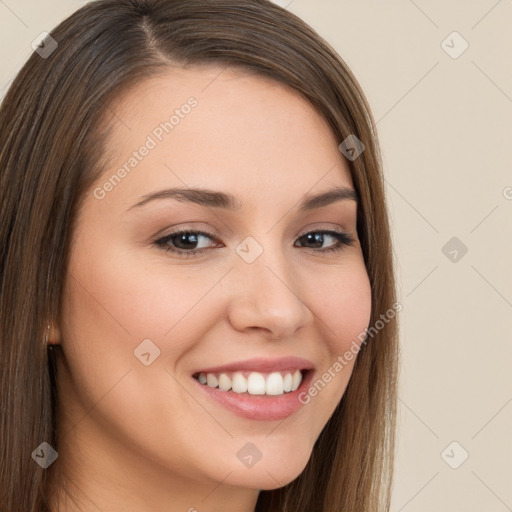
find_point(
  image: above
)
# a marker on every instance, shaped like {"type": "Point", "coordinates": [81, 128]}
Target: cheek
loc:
{"type": "Point", "coordinates": [108, 310]}
{"type": "Point", "coordinates": [342, 300]}
{"type": "Point", "coordinates": [343, 305]}
{"type": "Point", "coordinates": [119, 299]}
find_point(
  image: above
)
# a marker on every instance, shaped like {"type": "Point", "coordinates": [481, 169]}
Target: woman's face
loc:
{"type": "Point", "coordinates": [250, 296]}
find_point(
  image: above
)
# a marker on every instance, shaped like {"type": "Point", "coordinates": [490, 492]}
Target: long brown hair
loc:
{"type": "Point", "coordinates": [51, 152]}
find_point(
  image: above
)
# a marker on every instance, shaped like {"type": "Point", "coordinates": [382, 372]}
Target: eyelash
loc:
{"type": "Point", "coordinates": [343, 240]}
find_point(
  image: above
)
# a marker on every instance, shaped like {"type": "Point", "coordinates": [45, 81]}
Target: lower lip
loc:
{"type": "Point", "coordinates": [259, 407]}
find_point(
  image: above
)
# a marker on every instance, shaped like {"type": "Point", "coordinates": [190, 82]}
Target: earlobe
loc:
{"type": "Point", "coordinates": [52, 335]}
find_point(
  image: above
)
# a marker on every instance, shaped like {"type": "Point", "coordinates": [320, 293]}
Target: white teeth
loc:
{"type": "Point", "coordinates": [211, 380]}
{"type": "Point", "coordinates": [239, 383]}
{"type": "Point", "coordinates": [287, 382]}
{"type": "Point", "coordinates": [224, 382]}
{"type": "Point", "coordinates": [274, 384]}
{"type": "Point", "coordinates": [296, 380]}
{"type": "Point", "coordinates": [255, 384]}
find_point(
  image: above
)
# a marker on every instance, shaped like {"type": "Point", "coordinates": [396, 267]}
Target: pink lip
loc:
{"type": "Point", "coordinates": [259, 407]}
{"type": "Point", "coordinates": [262, 364]}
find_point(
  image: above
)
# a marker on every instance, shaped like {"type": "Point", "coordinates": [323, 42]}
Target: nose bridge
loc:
{"type": "Point", "coordinates": [268, 296]}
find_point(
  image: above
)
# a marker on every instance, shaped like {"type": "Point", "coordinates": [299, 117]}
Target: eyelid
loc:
{"type": "Point", "coordinates": [184, 228]}
{"type": "Point", "coordinates": [321, 226]}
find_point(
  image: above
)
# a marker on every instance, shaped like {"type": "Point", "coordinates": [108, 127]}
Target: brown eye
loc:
{"type": "Point", "coordinates": [318, 238]}
{"type": "Point", "coordinates": [185, 242]}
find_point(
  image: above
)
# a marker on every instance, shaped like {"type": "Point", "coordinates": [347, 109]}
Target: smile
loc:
{"type": "Point", "coordinates": [253, 383]}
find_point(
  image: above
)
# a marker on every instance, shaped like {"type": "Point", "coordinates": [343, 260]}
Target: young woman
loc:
{"type": "Point", "coordinates": [198, 306]}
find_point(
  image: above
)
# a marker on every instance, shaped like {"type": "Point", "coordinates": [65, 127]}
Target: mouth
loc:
{"type": "Point", "coordinates": [254, 383]}
{"type": "Point", "coordinates": [257, 389]}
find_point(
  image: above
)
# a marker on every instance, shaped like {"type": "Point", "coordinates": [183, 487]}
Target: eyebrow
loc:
{"type": "Point", "coordinates": [214, 199]}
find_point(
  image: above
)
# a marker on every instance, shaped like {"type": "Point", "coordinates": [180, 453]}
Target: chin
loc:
{"type": "Point", "coordinates": [273, 472]}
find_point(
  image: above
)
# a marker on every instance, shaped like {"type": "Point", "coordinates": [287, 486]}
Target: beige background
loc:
{"type": "Point", "coordinates": [445, 130]}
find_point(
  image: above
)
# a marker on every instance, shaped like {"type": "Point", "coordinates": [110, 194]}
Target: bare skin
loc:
{"type": "Point", "coordinates": [143, 438]}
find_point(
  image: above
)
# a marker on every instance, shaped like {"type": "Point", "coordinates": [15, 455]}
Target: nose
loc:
{"type": "Point", "coordinates": [268, 298]}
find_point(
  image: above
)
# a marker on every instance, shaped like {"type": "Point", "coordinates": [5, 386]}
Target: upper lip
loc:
{"type": "Point", "coordinates": [262, 364]}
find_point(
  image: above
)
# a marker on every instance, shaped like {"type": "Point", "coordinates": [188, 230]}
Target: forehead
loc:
{"type": "Point", "coordinates": [221, 128]}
